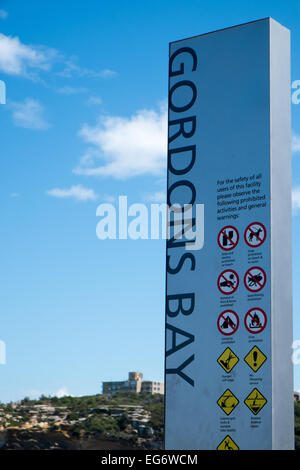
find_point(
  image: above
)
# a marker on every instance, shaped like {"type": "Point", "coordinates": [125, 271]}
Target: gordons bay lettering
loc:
{"type": "Point", "coordinates": [182, 191]}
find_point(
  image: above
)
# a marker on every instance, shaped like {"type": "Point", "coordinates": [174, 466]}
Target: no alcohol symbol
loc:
{"type": "Point", "coordinates": [228, 282]}
{"type": "Point", "coordinates": [255, 321]}
{"type": "Point", "coordinates": [228, 238]}
{"type": "Point", "coordinates": [255, 234]}
{"type": "Point", "coordinates": [255, 279]}
{"type": "Point", "coordinates": [228, 322]}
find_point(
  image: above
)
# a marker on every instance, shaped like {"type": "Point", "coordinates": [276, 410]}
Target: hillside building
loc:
{"type": "Point", "coordinates": [134, 384]}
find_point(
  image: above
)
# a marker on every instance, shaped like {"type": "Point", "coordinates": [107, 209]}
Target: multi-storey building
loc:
{"type": "Point", "coordinates": [133, 384]}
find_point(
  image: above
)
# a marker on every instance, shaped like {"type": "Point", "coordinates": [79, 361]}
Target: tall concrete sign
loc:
{"type": "Point", "coordinates": [229, 377]}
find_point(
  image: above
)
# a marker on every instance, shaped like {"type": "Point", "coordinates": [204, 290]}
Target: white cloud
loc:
{"type": "Point", "coordinates": [157, 197]}
{"type": "Point", "coordinates": [296, 143]}
{"type": "Point", "coordinates": [3, 14]}
{"type": "Point", "coordinates": [29, 114]}
{"type": "Point", "coordinates": [62, 392]}
{"type": "Point", "coordinates": [35, 393]}
{"type": "Point", "coordinates": [17, 58]}
{"type": "Point", "coordinates": [72, 69]}
{"type": "Point", "coordinates": [107, 73]}
{"type": "Point", "coordinates": [127, 146]}
{"type": "Point", "coordinates": [109, 198]}
{"type": "Point", "coordinates": [77, 192]}
{"type": "Point", "coordinates": [296, 199]}
{"type": "Point", "coordinates": [94, 101]}
{"type": "Point", "coordinates": [70, 90]}
{"type": "Point", "coordinates": [14, 194]}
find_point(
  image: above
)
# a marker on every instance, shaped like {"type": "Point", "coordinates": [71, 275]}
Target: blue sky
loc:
{"type": "Point", "coordinates": [81, 83]}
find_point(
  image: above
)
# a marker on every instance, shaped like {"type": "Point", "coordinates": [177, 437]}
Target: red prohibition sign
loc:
{"type": "Point", "coordinates": [255, 234]}
{"type": "Point", "coordinates": [228, 322]}
{"type": "Point", "coordinates": [255, 321]}
{"type": "Point", "coordinates": [255, 279]}
{"type": "Point", "coordinates": [228, 238]}
{"type": "Point", "coordinates": [228, 279]}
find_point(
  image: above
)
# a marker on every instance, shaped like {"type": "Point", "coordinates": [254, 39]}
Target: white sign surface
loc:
{"type": "Point", "coordinates": [229, 379]}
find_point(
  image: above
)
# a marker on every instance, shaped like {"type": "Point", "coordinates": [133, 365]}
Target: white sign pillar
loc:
{"type": "Point", "coordinates": [229, 375]}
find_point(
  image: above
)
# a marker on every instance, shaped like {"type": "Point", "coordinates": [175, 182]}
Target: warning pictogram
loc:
{"type": "Point", "coordinates": [227, 444]}
{"type": "Point", "coordinates": [255, 234]}
{"type": "Point", "coordinates": [228, 322]}
{"type": "Point", "coordinates": [255, 279]}
{"type": "Point", "coordinates": [228, 282]}
{"type": "Point", "coordinates": [255, 358]}
{"type": "Point", "coordinates": [255, 401]}
{"type": "Point", "coordinates": [228, 360]}
{"type": "Point", "coordinates": [228, 238]}
{"type": "Point", "coordinates": [255, 320]}
{"type": "Point", "coordinates": [228, 402]}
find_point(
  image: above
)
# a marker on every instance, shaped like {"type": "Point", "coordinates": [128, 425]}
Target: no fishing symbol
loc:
{"type": "Point", "coordinates": [228, 238]}
{"type": "Point", "coordinates": [255, 279]}
{"type": "Point", "coordinates": [228, 282]}
{"type": "Point", "coordinates": [255, 234]}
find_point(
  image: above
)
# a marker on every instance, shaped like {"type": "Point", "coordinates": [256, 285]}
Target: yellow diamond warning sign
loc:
{"type": "Point", "coordinates": [227, 444]}
{"type": "Point", "coordinates": [255, 401]}
{"type": "Point", "coordinates": [255, 358]}
{"type": "Point", "coordinates": [228, 402]}
{"type": "Point", "coordinates": [228, 360]}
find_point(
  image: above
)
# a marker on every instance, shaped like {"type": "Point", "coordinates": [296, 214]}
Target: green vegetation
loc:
{"type": "Point", "coordinates": [107, 415]}
{"type": "Point", "coordinates": [126, 416]}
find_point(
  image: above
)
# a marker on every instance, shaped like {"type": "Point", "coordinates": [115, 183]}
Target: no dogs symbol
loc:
{"type": "Point", "coordinates": [255, 234]}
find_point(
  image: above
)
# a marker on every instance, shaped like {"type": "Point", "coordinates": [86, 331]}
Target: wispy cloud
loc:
{"type": "Point", "coordinates": [14, 195]}
{"type": "Point", "coordinates": [296, 199]}
{"type": "Point", "coordinates": [28, 114]}
{"type": "Point", "coordinates": [71, 90]}
{"type": "Point", "coordinates": [94, 101]}
{"type": "Point", "coordinates": [127, 146]}
{"type": "Point", "coordinates": [72, 70]}
{"type": "Point", "coordinates": [17, 58]}
{"type": "Point", "coordinates": [36, 393]}
{"type": "Point", "coordinates": [296, 143]}
{"type": "Point", "coordinates": [62, 392]}
{"type": "Point", "coordinates": [3, 14]}
{"type": "Point", "coordinates": [78, 192]}
{"type": "Point", "coordinates": [107, 73]}
{"type": "Point", "coordinates": [158, 197]}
